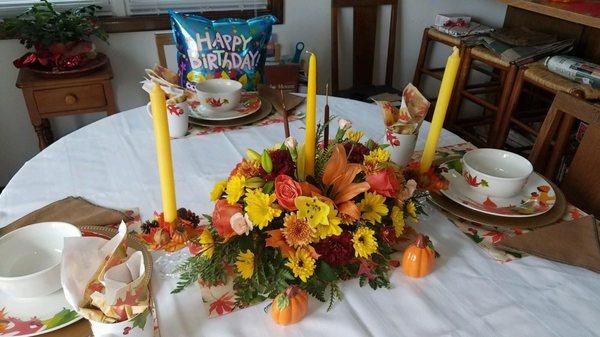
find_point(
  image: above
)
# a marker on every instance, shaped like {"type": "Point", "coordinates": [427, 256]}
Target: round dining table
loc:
{"type": "Point", "coordinates": [112, 163]}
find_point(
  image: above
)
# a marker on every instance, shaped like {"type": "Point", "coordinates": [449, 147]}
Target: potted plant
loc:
{"type": "Point", "coordinates": [60, 40]}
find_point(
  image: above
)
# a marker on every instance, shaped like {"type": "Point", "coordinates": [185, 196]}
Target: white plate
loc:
{"type": "Point", "coordinates": [35, 316]}
{"type": "Point", "coordinates": [537, 197]}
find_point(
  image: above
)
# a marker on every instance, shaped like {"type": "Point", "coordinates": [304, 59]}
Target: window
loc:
{"type": "Point", "coordinates": [137, 15]}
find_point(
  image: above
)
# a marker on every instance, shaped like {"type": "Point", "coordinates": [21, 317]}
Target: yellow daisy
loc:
{"type": "Point", "coordinates": [398, 220]}
{"type": "Point", "coordinates": [235, 188]}
{"type": "Point", "coordinates": [207, 243]}
{"type": "Point", "coordinates": [364, 242]}
{"type": "Point", "coordinates": [217, 190]}
{"type": "Point", "coordinates": [411, 210]}
{"type": "Point", "coordinates": [377, 156]}
{"type": "Point", "coordinates": [260, 207]}
{"type": "Point", "coordinates": [354, 136]}
{"type": "Point", "coordinates": [332, 227]}
{"type": "Point", "coordinates": [297, 232]}
{"type": "Point", "coordinates": [313, 210]}
{"type": "Point", "coordinates": [372, 207]}
{"type": "Point", "coordinates": [301, 263]}
{"type": "Point", "coordinates": [245, 264]}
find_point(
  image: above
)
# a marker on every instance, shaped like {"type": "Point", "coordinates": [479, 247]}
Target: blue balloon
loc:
{"type": "Point", "coordinates": [225, 48]}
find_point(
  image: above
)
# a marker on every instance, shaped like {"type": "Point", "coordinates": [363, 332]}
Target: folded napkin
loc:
{"type": "Point", "coordinates": [408, 118]}
{"type": "Point", "coordinates": [79, 212]}
{"type": "Point", "coordinates": [291, 101]}
{"type": "Point", "coordinates": [103, 280]}
{"type": "Point", "coordinates": [572, 242]}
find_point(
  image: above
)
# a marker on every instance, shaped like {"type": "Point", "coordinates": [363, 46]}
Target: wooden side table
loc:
{"type": "Point", "coordinates": [47, 98]}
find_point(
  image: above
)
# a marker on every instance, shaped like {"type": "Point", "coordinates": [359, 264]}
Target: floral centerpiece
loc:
{"type": "Point", "coordinates": [61, 40]}
{"type": "Point", "coordinates": [275, 227]}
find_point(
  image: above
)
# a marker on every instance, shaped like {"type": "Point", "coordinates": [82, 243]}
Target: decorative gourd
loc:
{"type": "Point", "coordinates": [290, 306]}
{"type": "Point", "coordinates": [418, 259]}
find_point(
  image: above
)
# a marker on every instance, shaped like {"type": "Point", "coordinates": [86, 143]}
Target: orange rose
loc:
{"type": "Point", "coordinates": [221, 216]}
{"type": "Point", "coordinates": [286, 190]}
{"type": "Point", "coordinates": [384, 182]}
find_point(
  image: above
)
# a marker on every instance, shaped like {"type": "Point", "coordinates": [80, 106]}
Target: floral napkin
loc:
{"type": "Point", "coordinates": [408, 118]}
{"type": "Point", "coordinates": [103, 280]}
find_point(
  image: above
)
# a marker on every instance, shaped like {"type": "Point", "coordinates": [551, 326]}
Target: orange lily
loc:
{"type": "Point", "coordinates": [276, 240]}
{"type": "Point", "coordinates": [349, 210]}
{"type": "Point", "coordinates": [340, 175]}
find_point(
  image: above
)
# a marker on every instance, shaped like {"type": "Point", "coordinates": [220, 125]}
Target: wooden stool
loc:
{"type": "Point", "coordinates": [431, 35]}
{"type": "Point", "coordinates": [53, 97]}
{"type": "Point", "coordinates": [502, 75]}
{"type": "Point", "coordinates": [538, 76]}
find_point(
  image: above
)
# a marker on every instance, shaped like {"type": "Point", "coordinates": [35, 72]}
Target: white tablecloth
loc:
{"type": "Point", "coordinates": [112, 163]}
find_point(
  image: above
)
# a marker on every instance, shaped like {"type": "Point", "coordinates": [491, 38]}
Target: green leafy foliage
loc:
{"type": "Point", "coordinates": [42, 25]}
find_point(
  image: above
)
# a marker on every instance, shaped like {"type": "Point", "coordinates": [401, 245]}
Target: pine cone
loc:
{"type": "Point", "coordinates": [189, 216]}
{"type": "Point", "coordinates": [148, 225]}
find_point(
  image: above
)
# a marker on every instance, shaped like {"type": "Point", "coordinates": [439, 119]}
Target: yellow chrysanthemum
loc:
{"type": "Point", "coordinates": [217, 190]}
{"type": "Point", "coordinates": [301, 263]}
{"type": "Point", "coordinates": [398, 220]}
{"type": "Point", "coordinates": [332, 227]}
{"type": "Point", "coordinates": [377, 156]}
{"type": "Point", "coordinates": [313, 210]}
{"type": "Point", "coordinates": [207, 243]}
{"type": "Point", "coordinates": [411, 210]}
{"type": "Point", "coordinates": [244, 264]}
{"type": "Point", "coordinates": [235, 188]}
{"type": "Point", "coordinates": [372, 207]}
{"type": "Point", "coordinates": [297, 232]}
{"type": "Point", "coordinates": [260, 207]}
{"type": "Point", "coordinates": [354, 136]}
{"type": "Point", "coordinates": [364, 242]}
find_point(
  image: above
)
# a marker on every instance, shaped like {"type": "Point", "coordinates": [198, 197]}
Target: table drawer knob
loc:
{"type": "Point", "coordinates": [70, 99]}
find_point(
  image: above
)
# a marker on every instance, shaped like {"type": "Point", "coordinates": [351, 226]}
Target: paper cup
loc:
{"type": "Point", "coordinates": [138, 326]}
{"type": "Point", "coordinates": [401, 147]}
{"type": "Point", "coordinates": [178, 116]}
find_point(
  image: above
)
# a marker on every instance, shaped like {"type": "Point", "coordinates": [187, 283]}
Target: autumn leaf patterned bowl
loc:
{"type": "Point", "coordinates": [31, 255]}
{"type": "Point", "coordinates": [219, 94]}
{"type": "Point", "coordinates": [496, 173]}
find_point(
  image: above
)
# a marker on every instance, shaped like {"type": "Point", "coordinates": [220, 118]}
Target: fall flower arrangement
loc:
{"type": "Point", "coordinates": [274, 226]}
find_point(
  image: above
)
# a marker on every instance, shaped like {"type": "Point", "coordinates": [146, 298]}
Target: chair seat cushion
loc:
{"type": "Point", "coordinates": [484, 54]}
{"type": "Point", "coordinates": [537, 73]}
{"type": "Point", "coordinates": [435, 34]}
{"type": "Point", "coordinates": [363, 93]}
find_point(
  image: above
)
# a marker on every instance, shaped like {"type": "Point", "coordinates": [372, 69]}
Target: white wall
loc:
{"type": "Point", "coordinates": [130, 53]}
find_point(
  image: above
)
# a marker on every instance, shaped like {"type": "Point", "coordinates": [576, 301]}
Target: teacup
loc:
{"type": "Point", "coordinates": [402, 146]}
{"type": "Point", "coordinates": [217, 95]}
{"type": "Point", "coordinates": [138, 326]}
{"type": "Point", "coordinates": [495, 173]}
{"type": "Point", "coordinates": [31, 256]}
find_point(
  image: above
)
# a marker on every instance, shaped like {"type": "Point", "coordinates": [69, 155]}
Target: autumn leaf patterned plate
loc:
{"type": "Point", "coordinates": [537, 197]}
{"type": "Point", "coordinates": [35, 316]}
{"type": "Point", "coordinates": [249, 104]}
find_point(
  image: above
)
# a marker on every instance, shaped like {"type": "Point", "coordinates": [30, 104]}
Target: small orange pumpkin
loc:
{"type": "Point", "coordinates": [290, 306]}
{"type": "Point", "coordinates": [418, 258]}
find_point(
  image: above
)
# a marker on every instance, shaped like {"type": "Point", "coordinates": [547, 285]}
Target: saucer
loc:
{"type": "Point", "coordinates": [249, 104]}
{"type": "Point", "coordinates": [35, 316]}
{"type": "Point", "coordinates": [537, 196]}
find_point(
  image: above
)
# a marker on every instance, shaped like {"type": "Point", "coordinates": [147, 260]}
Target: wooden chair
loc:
{"type": "Point", "coordinates": [162, 40]}
{"type": "Point", "coordinates": [364, 35]}
{"type": "Point", "coordinates": [537, 76]}
{"type": "Point", "coordinates": [495, 92]}
{"type": "Point", "coordinates": [581, 184]}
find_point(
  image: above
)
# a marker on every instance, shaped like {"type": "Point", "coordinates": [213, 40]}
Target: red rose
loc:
{"type": "Point", "coordinates": [384, 182]}
{"type": "Point", "coordinates": [221, 215]}
{"type": "Point", "coordinates": [286, 190]}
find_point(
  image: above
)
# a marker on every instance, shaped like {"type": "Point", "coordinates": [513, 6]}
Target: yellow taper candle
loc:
{"type": "Point", "coordinates": [441, 106]}
{"type": "Point", "coordinates": [311, 116]}
{"type": "Point", "coordinates": [163, 152]}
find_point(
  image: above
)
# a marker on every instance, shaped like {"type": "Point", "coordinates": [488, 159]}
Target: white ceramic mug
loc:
{"type": "Point", "coordinates": [495, 173]}
{"type": "Point", "coordinates": [125, 328]}
{"type": "Point", "coordinates": [218, 94]}
{"type": "Point", "coordinates": [401, 147]}
{"type": "Point", "coordinates": [178, 117]}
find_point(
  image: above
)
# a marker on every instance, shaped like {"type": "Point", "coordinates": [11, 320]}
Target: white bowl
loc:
{"type": "Point", "coordinates": [496, 173]}
{"type": "Point", "coordinates": [218, 94]}
{"type": "Point", "coordinates": [31, 255]}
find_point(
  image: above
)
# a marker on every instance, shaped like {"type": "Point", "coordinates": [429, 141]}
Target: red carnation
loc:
{"type": "Point", "coordinates": [282, 164]}
{"type": "Point", "coordinates": [358, 152]}
{"type": "Point", "coordinates": [336, 250]}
